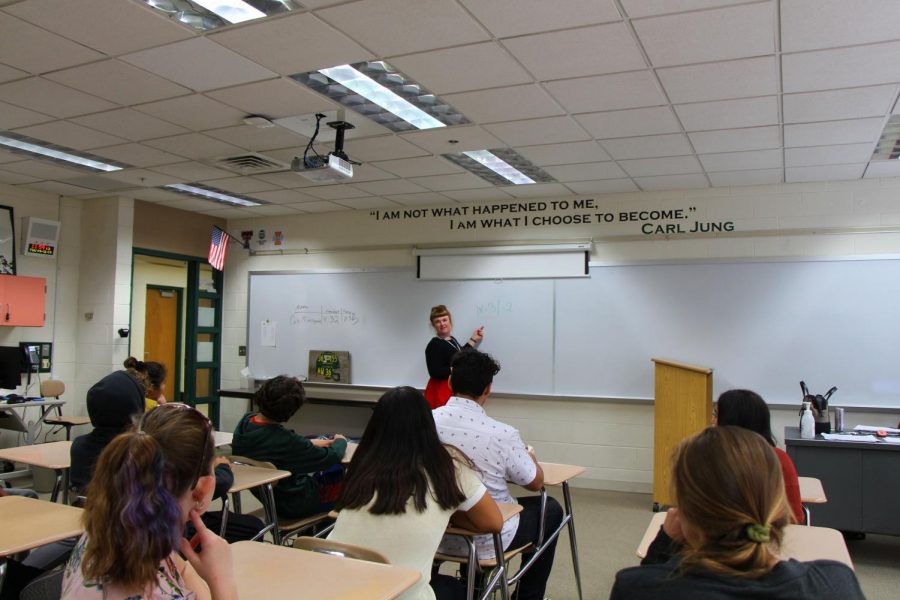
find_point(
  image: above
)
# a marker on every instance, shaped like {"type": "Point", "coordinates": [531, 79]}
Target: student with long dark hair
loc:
{"type": "Point", "coordinates": [152, 376]}
{"type": "Point", "coordinates": [403, 486]}
{"type": "Point", "coordinates": [147, 485]}
{"type": "Point", "coordinates": [730, 518]}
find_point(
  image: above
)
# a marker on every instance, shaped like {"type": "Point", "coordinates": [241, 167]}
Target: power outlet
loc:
{"type": "Point", "coordinates": [242, 350]}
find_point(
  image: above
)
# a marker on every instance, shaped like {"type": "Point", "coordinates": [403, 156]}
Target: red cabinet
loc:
{"type": "Point", "coordinates": [22, 301]}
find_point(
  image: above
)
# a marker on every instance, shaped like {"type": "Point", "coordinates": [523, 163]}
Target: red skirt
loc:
{"type": "Point", "coordinates": [437, 392]}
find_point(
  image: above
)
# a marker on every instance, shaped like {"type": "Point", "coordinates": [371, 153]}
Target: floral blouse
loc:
{"type": "Point", "coordinates": [169, 583]}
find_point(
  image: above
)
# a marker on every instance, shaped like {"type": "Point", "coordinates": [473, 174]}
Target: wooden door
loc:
{"type": "Point", "coordinates": [161, 333]}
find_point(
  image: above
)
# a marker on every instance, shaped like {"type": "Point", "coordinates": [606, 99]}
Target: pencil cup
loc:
{"type": "Point", "coordinates": [838, 419]}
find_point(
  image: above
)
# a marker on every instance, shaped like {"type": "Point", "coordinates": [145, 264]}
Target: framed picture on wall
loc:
{"type": "Point", "coordinates": [7, 242]}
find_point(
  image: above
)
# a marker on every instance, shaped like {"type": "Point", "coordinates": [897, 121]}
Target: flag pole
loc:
{"type": "Point", "coordinates": [228, 235]}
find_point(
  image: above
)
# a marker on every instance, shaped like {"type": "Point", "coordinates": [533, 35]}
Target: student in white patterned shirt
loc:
{"type": "Point", "coordinates": [499, 452]}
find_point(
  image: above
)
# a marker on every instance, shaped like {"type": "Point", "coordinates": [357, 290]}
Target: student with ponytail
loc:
{"type": "Point", "coordinates": [152, 377]}
{"type": "Point", "coordinates": [148, 484]}
{"type": "Point", "coordinates": [731, 515]}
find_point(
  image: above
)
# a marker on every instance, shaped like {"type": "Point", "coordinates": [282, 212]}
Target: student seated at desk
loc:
{"type": "Point", "coordinates": [262, 436]}
{"type": "Point", "coordinates": [402, 488]}
{"type": "Point", "coordinates": [152, 377]}
{"type": "Point", "coordinates": [731, 514]}
{"type": "Point", "coordinates": [148, 484]}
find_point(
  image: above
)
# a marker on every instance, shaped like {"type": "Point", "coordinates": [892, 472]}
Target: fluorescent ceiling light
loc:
{"type": "Point", "coordinates": [212, 194]}
{"type": "Point", "coordinates": [373, 91]}
{"type": "Point", "coordinates": [233, 11]}
{"type": "Point", "coordinates": [500, 167]}
{"type": "Point", "coordinates": [60, 155]}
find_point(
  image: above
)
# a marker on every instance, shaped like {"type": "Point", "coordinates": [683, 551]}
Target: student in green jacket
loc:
{"type": "Point", "coordinates": [263, 436]}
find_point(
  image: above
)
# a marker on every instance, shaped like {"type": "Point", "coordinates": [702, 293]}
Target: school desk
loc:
{"type": "Point", "coordinates": [558, 474]}
{"type": "Point", "coordinates": [266, 571]}
{"type": "Point", "coordinates": [52, 455]}
{"type": "Point", "coordinates": [247, 477]}
{"type": "Point", "coordinates": [860, 477]}
{"type": "Point", "coordinates": [800, 542]}
{"type": "Point", "coordinates": [27, 523]}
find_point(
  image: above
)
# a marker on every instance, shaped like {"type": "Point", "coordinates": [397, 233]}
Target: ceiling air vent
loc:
{"type": "Point", "coordinates": [888, 147]}
{"type": "Point", "coordinates": [250, 163]}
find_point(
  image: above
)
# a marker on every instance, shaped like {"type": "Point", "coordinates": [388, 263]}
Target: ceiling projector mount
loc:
{"type": "Point", "coordinates": [334, 166]}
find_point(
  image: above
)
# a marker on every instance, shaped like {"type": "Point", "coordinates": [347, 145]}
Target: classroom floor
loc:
{"type": "Point", "coordinates": [609, 526]}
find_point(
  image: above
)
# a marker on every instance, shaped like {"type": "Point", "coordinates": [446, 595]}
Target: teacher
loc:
{"type": "Point", "coordinates": [438, 353]}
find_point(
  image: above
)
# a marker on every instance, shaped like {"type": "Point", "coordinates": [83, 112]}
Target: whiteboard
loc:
{"type": "Point", "coordinates": [381, 318]}
{"type": "Point", "coordinates": [764, 326]}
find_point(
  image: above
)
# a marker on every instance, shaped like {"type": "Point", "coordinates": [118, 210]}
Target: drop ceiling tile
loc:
{"type": "Point", "coordinates": [824, 173]}
{"type": "Point", "coordinates": [32, 49]}
{"type": "Point", "coordinates": [833, 132]}
{"type": "Point", "coordinates": [607, 92]}
{"type": "Point", "coordinates": [283, 197]}
{"type": "Point", "coordinates": [838, 104]}
{"type": "Point", "coordinates": [196, 112]}
{"type": "Point", "coordinates": [517, 17]}
{"type": "Point", "coordinates": [241, 185]}
{"type": "Point", "coordinates": [8, 157]}
{"type": "Point", "coordinates": [137, 177]}
{"type": "Point", "coordinates": [51, 98]}
{"type": "Point", "coordinates": [158, 196]}
{"type": "Point", "coordinates": [10, 178]}
{"type": "Point", "coordinates": [194, 145]}
{"type": "Point", "coordinates": [673, 165]}
{"type": "Point", "coordinates": [424, 199]}
{"type": "Point", "coordinates": [711, 35]}
{"type": "Point", "coordinates": [721, 80]}
{"type": "Point", "coordinates": [296, 43]}
{"type": "Point", "coordinates": [118, 82]}
{"type": "Point", "coordinates": [438, 140]}
{"type": "Point", "coordinates": [538, 131]}
{"type": "Point", "coordinates": [814, 24]}
{"type": "Point", "coordinates": [606, 186]}
{"type": "Point", "coordinates": [578, 52]}
{"type": "Point", "coordinates": [367, 203]}
{"type": "Point", "coordinates": [479, 195]}
{"type": "Point", "coordinates": [672, 182]}
{"type": "Point", "coordinates": [538, 190]}
{"type": "Point", "coordinates": [743, 161]}
{"type": "Point", "coordinates": [425, 25]}
{"type": "Point", "coordinates": [129, 124]}
{"type": "Point", "coordinates": [366, 172]}
{"type": "Point", "coordinates": [255, 138]}
{"type": "Point", "coordinates": [449, 70]}
{"type": "Point", "coordinates": [729, 114]}
{"type": "Point", "coordinates": [57, 187]}
{"type": "Point", "coordinates": [562, 154]}
{"type": "Point", "coordinates": [179, 201]}
{"type": "Point", "coordinates": [844, 154]}
{"type": "Point", "coordinates": [648, 146]}
{"type": "Point", "coordinates": [274, 210]}
{"type": "Point", "coordinates": [390, 186]}
{"type": "Point", "coordinates": [335, 192]}
{"type": "Point", "coordinates": [883, 168]}
{"type": "Point", "coordinates": [193, 171]}
{"type": "Point", "coordinates": [275, 99]}
{"type": "Point", "coordinates": [13, 116]}
{"type": "Point", "coordinates": [416, 167]}
{"type": "Point", "coordinates": [70, 135]}
{"type": "Point", "coordinates": [735, 140]}
{"type": "Point", "coordinates": [630, 123]}
{"type": "Point", "coordinates": [585, 172]}
{"type": "Point", "coordinates": [841, 68]}
{"type": "Point", "coordinates": [210, 66]}
{"type": "Point", "coordinates": [385, 147]}
{"type": "Point", "coordinates": [228, 213]}
{"type": "Point", "coordinates": [459, 181]}
{"type": "Point", "coordinates": [110, 26]}
{"type": "Point", "coordinates": [648, 8]}
{"type": "Point", "coordinates": [43, 169]}
{"type": "Point", "coordinates": [505, 104]}
{"type": "Point", "coordinates": [319, 207]}
{"type": "Point", "coordinates": [138, 155]}
{"type": "Point", "coordinates": [737, 178]}
{"type": "Point", "coordinates": [9, 74]}
{"type": "Point", "coordinates": [288, 179]}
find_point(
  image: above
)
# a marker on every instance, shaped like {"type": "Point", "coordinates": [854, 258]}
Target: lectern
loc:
{"type": "Point", "coordinates": [682, 408]}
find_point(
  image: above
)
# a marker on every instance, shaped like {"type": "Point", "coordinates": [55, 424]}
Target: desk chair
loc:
{"type": "Point", "coordinates": [317, 544]}
{"type": "Point", "coordinates": [282, 528]}
{"type": "Point", "coordinates": [54, 388]}
{"type": "Point", "coordinates": [811, 492]}
{"type": "Point", "coordinates": [47, 586]}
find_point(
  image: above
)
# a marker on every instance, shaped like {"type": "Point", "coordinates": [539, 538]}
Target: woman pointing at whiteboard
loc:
{"type": "Point", "coordinates": [438, 353]}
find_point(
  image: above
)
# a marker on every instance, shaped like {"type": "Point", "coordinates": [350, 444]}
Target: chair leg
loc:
{"type": "Point", "coordinates": [567, 497]}
{"type": "Point", "coordinates": [224, 516]}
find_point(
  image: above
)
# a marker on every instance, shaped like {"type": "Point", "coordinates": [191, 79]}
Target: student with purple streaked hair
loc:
{"type": "Point", "coordinates": [148, 483]}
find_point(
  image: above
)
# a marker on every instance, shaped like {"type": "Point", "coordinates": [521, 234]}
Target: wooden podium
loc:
{"type": "Point", "coordinates": [682, 408]}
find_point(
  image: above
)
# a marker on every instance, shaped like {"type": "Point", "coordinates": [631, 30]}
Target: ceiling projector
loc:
{"type": "Point", "coordinates": [334, 166]}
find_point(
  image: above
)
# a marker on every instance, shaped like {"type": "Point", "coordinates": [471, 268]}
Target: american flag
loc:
{"type": "Point", "coordinates": [217, 247]}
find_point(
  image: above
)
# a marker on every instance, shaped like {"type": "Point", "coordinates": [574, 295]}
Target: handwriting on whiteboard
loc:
{"type": "Point", "coordinates": [494, 308]}
{"type": "Point", "coordinates": [323, 315]}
